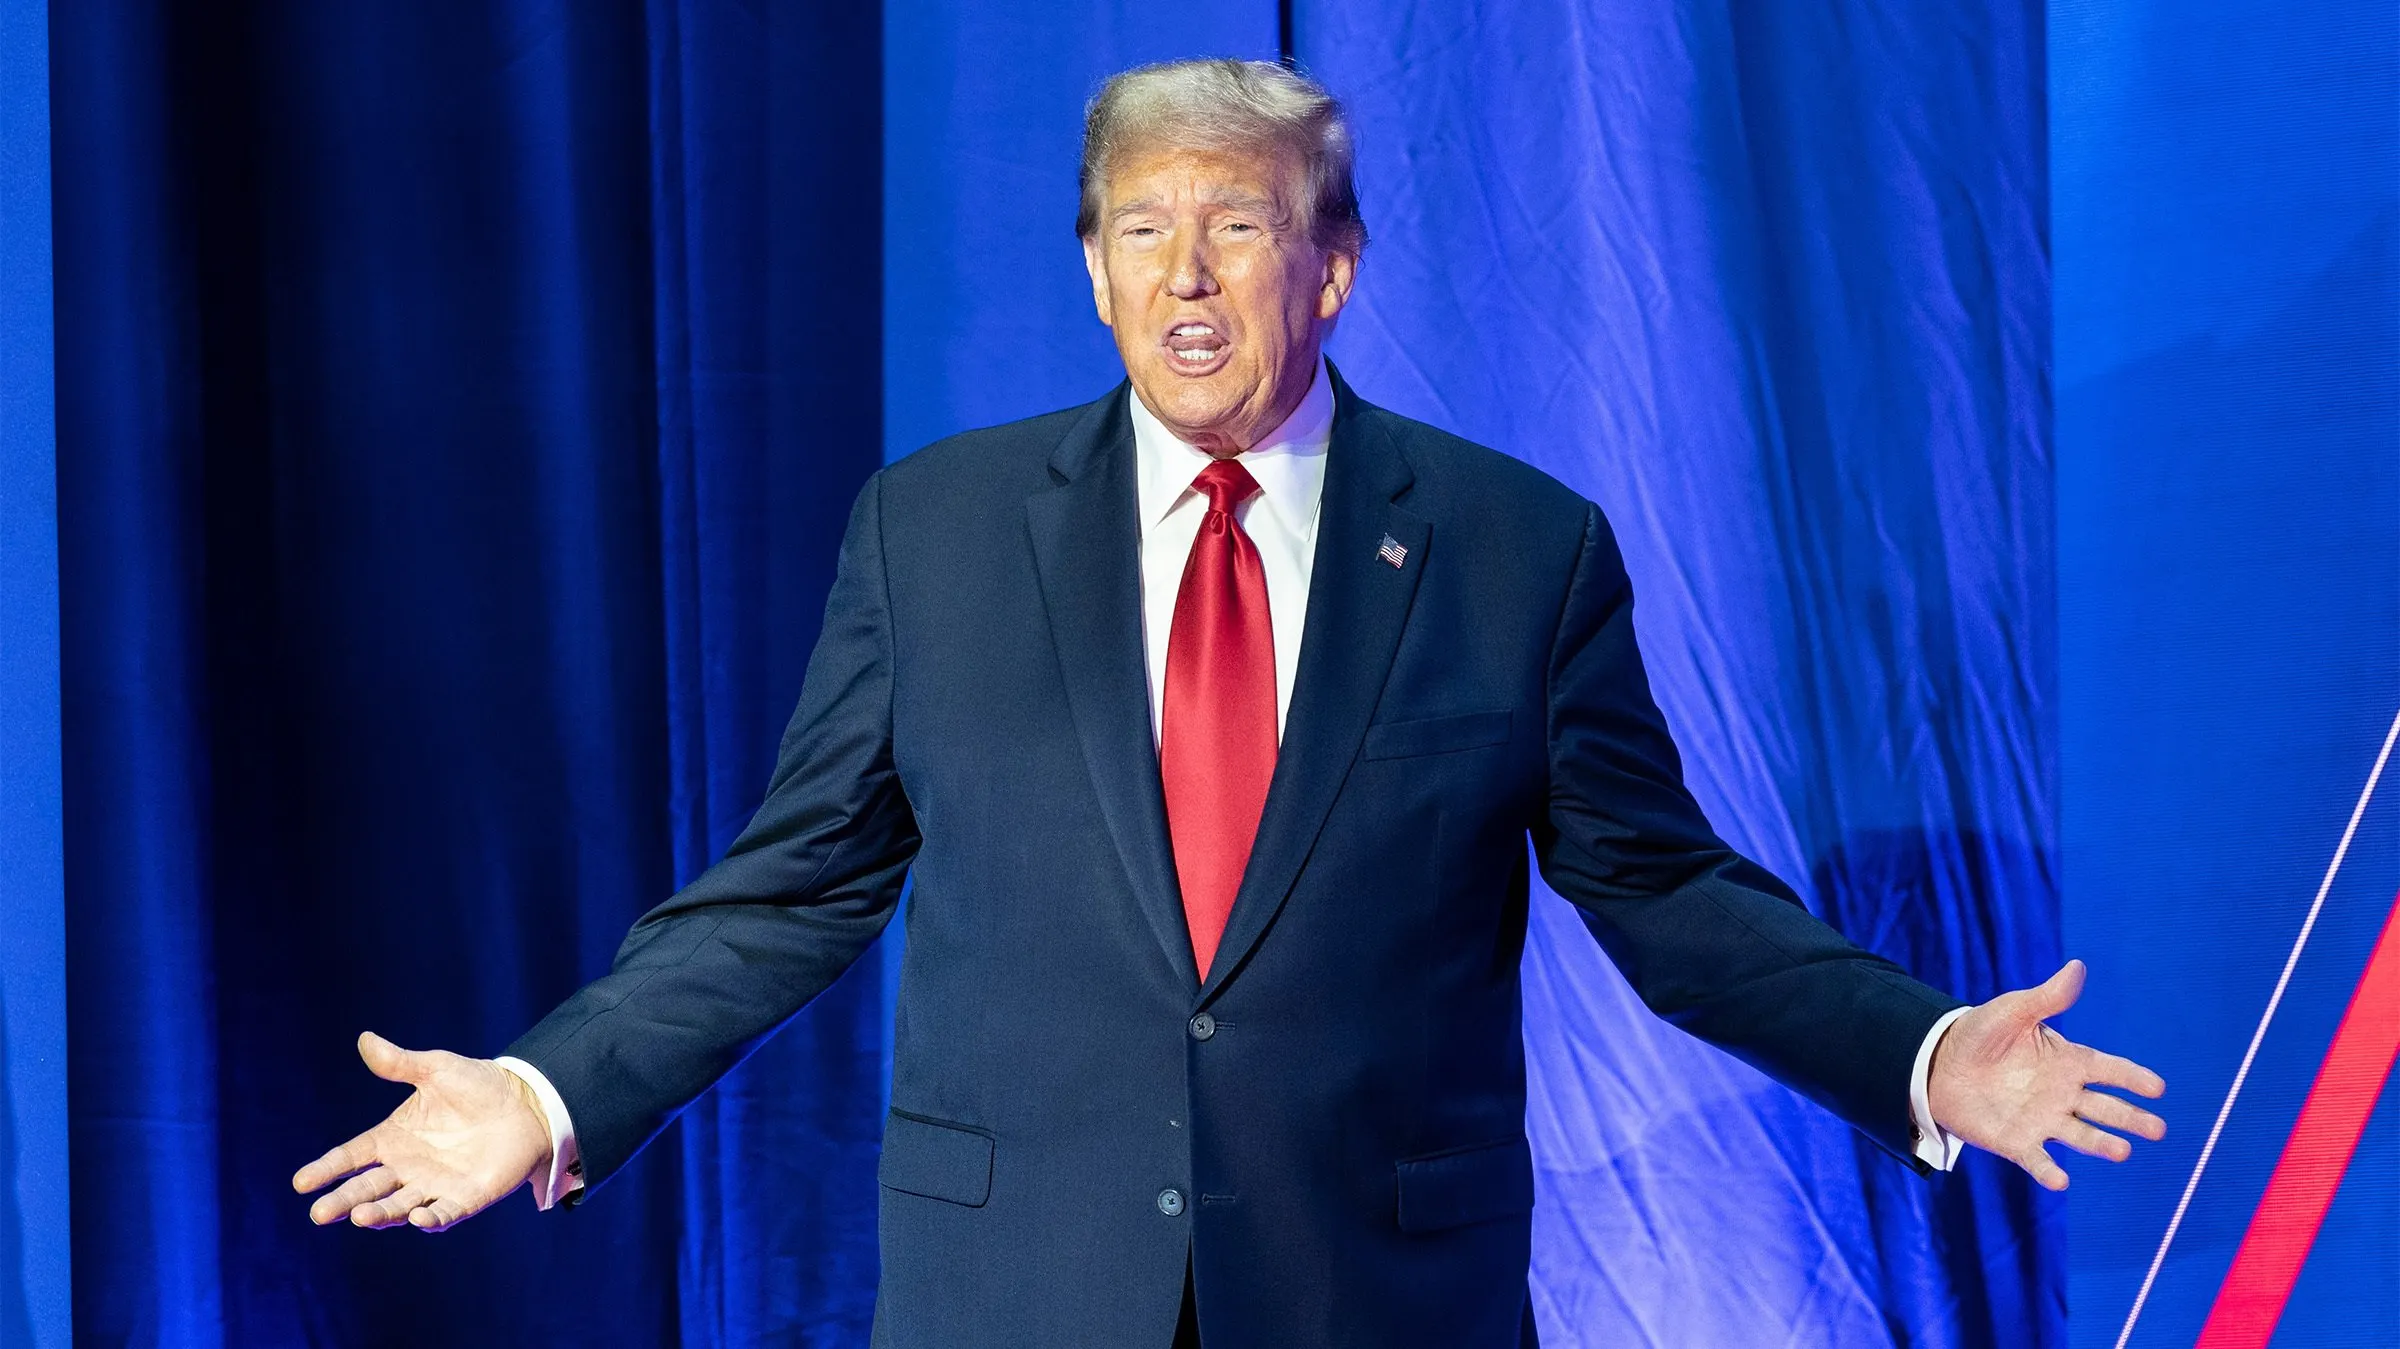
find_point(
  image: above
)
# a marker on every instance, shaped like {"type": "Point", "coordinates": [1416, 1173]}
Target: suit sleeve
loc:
{"type": "Point", "coordinates": [707, 975]}
{"type": "Point", "coordinates": [1710, 940]}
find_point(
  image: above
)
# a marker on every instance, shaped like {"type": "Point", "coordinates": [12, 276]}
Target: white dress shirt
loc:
{"type": "Point", "coordinates": [1281, 520]}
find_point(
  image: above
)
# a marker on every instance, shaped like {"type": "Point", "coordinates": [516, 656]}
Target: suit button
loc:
{"type": "Point", "coordinates": [1170, 1202]}
{"type": "Point", "coordinates": [1203, 1026]}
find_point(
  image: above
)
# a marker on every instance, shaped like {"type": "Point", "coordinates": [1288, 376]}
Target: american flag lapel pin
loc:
{"type": "Point", "coordinates": [1391, 551]}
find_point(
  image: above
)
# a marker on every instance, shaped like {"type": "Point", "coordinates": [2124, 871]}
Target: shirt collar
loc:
{"type": "Point", "coordinates": [1288, 462]}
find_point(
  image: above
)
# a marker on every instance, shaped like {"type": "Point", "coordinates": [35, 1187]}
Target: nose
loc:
{"type": "Point", "coordinates": [1192, 276]}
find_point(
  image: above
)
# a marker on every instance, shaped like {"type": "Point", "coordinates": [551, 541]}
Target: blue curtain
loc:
{"type": "Point", "coordinates": [1770, 284]}
{"type": "Point", "coordinates": [458, 409]}
{"type": "Point", "coordinates": [458, 406]}
{"type": "Point", "coordinates": [35, 1281]}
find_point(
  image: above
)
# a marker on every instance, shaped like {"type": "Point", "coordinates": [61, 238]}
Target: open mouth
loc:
{"type": "Point", "coordinates": [1196, 348]}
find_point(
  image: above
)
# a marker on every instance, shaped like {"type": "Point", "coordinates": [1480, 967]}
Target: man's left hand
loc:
{"type": "Point", "coordinates": [2009, 1084]}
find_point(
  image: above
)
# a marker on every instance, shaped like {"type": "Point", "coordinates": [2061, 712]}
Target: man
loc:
{"type": "Point", "coordinates": [1212, 720]}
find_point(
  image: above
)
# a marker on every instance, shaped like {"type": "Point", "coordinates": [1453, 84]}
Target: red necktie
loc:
{"type": "Point", "coordinates": [1217, 737]}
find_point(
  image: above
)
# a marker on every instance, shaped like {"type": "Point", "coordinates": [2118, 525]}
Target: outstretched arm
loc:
{"type": "Point", "coordinates": [701, 979]}
{"type": "Point", "coordinates": [1721, 948]}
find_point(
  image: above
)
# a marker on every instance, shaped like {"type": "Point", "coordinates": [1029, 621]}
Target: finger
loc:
{"type": "Point", "coordinates": [354, 1156]}
{"type": "Point", "coordinates": [2059, 992]}
{"type": "Point", "coordinates": [2093, 1142]}
{"type": "Point", "coordinates": [363, 1188]}
{"type": "Point", "coordinates": [392, 1063]}
{"type": "Point", "coordinates": [2045, 1172]}
{"type": "Point", "coordinates": [2108, 1070]}
{"type": "Point", "coordinates": [439, 1216]}
{"type": "Point", "coordinates": [2101, 1108]}
{"type": "Point", "coordinates": [390, 1211]}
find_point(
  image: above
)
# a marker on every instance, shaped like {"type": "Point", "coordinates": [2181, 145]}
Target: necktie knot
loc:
{"type": "Point", "coordinates": [1225, 483]}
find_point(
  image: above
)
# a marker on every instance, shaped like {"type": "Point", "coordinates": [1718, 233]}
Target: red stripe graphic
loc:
{"type": "Point", "coordinates": [2252, 1298]}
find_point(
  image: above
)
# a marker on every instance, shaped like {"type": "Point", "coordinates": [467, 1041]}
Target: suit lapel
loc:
{"type": "Point", "coordinates": [1087, 548]}
{"type": "Point", "coordinates": [1358, 603]}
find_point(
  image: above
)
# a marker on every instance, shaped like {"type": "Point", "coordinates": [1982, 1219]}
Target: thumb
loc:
{"type": "Point", "coordinates": [389, 1061]}
{"type": "Point", "coordinates": [2059, 992]}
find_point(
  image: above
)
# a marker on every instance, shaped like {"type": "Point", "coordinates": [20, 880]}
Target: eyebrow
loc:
{"type": "Point", "coordinates": [1244, 201]}
{"type": "Point", "coordinates": [1239, 201]}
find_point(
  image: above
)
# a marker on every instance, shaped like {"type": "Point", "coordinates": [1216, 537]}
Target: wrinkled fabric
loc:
{"type": "Point", "coordinates": [1769, 284]}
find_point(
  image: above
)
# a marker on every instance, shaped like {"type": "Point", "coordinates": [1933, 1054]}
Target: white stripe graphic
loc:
{"type": "Point", "coordinates": [2274, 1000]}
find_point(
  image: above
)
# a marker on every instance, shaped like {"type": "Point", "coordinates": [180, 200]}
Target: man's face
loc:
{"type": "Point", "coordinates": [1218, 300]}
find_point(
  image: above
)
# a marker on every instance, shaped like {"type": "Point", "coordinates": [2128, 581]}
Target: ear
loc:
{"type": "Point", "coordinates": [1095, 261]}
{"type": "Point", "coordinates": [1341, 273]}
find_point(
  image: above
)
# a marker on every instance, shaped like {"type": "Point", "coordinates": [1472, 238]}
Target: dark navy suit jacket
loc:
{"type": "Point", "coordinates": [1330, 1129]}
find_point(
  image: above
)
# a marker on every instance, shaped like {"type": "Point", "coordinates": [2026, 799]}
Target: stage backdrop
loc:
{"type": "Point", "coordinates": [34, 1279]}
{"type": "Point", "coordinates": [456, 417]}
{"type": "Point", "coordinates": [2228, 302]}
{"type": "Point", "coordinates": [460, 406]}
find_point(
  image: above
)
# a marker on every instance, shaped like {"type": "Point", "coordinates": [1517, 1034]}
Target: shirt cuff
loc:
{"type": "Point", "coordinates": [565, 1175]}
{"type": "Point", "coordinates": [1934, 1145]}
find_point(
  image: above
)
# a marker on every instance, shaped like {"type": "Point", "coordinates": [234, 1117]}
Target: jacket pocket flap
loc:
{"type": "Point", "coordinates": [1466, 1185]}
{"type": "Point", "coordinates": [937, 1160]}
{"type": "Point", "coordinates": [1436, 735]}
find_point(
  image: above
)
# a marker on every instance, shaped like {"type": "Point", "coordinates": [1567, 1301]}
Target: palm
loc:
{"type": "Point", "coordinates": [2009, 1084]}
{"type": "Point", "coordinates": [461, 1141]}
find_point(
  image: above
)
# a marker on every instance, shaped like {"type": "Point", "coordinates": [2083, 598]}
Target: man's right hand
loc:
{"type": "Point", "coordinates": [469, 1134]}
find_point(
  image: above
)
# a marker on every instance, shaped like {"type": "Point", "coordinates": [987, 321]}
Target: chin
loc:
{"type": "Point", "coordinates": [1188, 404]}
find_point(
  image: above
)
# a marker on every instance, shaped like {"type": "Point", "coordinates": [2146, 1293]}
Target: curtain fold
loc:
{"type": "Point", "coordinates": [458, 408]}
